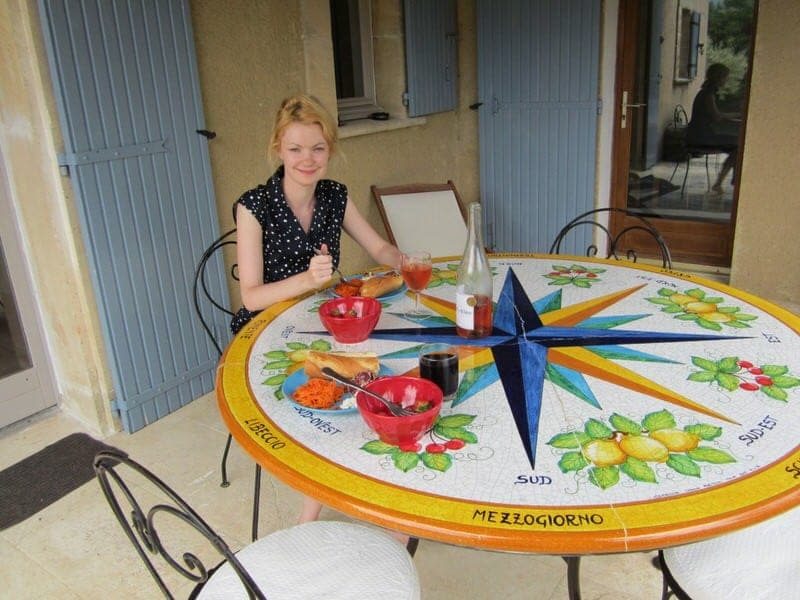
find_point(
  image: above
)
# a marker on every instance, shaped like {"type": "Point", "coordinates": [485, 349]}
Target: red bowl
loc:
{"type": "Point", "coordinates": [400, 431]}
{"type": "Point", "coordinates": [350, 320]}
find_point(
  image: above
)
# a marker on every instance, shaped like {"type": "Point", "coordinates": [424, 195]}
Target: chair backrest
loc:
{"type": "Point", "coordinates": [421, 216]}
{"type": "Point", "coordinates": [200, 289]}
{"type": "Point", "coordinates": [589, 219]}
{"type": "Point", "coordinates": [139, 523]}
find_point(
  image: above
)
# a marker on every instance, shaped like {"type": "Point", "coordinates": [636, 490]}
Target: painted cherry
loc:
{"type": "Point", "coordinates": [745, 364]}
{"type": "Point", "coordinates": [555, 272]}
{"type": "Point", "coordinates": [592, 275]}
{"type": "Point", "coordinates": [435, 448]}
{"type": "Point", "coordinates": [756, 371]}
{"type": "Point", "coordinates": [763, 380]}
{"type": "Point", "coordinates": [750, 387]}
{"type": "Point", "coordinates": [455, 444]}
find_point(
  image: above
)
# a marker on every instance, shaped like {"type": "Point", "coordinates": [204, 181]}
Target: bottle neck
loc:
{"type": "Point", "coordinates": [475, 234]}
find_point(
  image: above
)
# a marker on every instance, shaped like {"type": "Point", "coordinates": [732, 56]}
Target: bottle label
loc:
{"type": "Point", "coordinates": [465, 311]}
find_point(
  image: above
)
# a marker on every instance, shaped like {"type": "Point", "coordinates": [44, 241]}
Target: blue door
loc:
{"type": "Point", "coordinates": [126, 85]}
{"type": "Point", "coordinates": [538, 69]}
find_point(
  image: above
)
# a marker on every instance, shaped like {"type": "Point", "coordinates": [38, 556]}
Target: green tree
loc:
{"type": "Point", "coordinates": [730, 24]}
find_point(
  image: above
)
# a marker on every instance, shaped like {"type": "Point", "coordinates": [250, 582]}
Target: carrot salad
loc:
{"type": "Point", "coordinates": [318, 393]}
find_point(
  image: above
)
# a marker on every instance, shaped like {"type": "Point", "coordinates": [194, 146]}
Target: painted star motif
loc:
{"type": "Point", "coordinates": [525, 347]}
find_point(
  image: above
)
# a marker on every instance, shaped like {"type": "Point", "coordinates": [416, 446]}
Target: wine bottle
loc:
{"type": "Point", "coordinates": [474, 283]}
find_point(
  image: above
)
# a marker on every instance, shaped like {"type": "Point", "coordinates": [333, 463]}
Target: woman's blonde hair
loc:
{"type": "Point", "coordinates": [308, 111]}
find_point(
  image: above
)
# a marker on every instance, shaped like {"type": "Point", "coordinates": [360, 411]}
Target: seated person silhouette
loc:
{"type": "Point", "coordinates": [710, 128]}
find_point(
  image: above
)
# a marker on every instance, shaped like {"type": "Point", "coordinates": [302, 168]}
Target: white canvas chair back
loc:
{"type": "Point", "coordinates": [426, 217]}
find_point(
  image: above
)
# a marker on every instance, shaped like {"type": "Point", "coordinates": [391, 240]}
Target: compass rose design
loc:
{"type": "Point", "coordinates": [525, 345]}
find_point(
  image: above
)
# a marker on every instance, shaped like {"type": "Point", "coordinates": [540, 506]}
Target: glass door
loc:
{"type": "Point", "coordinates": [26, 385]}
{"type": "Point", "coordinates": [683, 79]}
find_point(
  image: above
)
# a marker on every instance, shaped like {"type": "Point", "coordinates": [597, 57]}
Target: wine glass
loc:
{"type": "Point", "coordinates": [416, 269]}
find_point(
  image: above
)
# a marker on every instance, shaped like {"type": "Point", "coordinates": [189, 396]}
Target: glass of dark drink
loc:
{"type": "Point", "coordinates": [439, 364]}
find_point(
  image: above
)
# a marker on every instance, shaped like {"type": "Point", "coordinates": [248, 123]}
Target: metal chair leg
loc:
{"type": "Point", "coordinates": [256, 499]}
{"type": "Point", "coordinates": [686, 174]}
{"type": "Point", "coordinates": [573, 577]}
{"type": "Point", "coordinates": [225, 483]}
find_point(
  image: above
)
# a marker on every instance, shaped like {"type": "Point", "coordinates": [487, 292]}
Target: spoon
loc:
{"type": "Point", "coordinates": [394, 408]}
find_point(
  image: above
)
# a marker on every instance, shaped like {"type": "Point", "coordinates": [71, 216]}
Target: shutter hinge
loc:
{"type": "Point", "coordinates": [599, 106]}
{"type": "Point", "coordinates": [405, 98]}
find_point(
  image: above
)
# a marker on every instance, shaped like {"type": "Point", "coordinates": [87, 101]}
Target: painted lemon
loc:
{"type": "Point", "coordinates": [718, 317]}
{"type": "Point", "coordinates": [699, 308]}
{"type": "Point", "coordinates": [604, 453]}
{"type": "Point", "coordinates": [682, 299]}
{"type": "Point", "coordinates": [676, 440]}
{"type": "Point", "coordinates": [644, 448]}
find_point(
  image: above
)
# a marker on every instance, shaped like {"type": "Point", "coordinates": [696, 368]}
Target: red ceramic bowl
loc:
{"type": "Point", "coordinates": [350, 320]}
{"type": "Point", "coordinates": [400, 431]}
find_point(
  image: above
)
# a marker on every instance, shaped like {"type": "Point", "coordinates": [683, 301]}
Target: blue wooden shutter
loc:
{"type": "Point", "coordinates": [538, 66]}
{"type": "Point", "coordinates": [129, 105]}
{"type": "Point", "coordinates": [694, 41]}
{"type": "Point", "coordinates": [431, 34]}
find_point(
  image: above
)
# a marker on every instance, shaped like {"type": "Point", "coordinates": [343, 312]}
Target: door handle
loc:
{"type": "Point", "coordinates": [626, 106]}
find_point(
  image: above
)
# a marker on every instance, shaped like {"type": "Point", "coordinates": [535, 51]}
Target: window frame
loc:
{"type": "Point", "coordinates": [687, 44]}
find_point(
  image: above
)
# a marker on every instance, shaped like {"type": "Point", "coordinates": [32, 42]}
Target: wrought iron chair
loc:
{"type": "Point", "coordinates": [323, 559]}
{"type": "Point", "coordinates": [761, 561]}
{"type": "Point", "coordinates": [614, 241]}
{"type": "Point", "coordinates": [202, 293]}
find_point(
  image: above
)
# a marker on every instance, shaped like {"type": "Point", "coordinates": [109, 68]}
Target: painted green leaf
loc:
{"type": "Point", "coordinates": [405, 461]}
{"type": "Point", "coordinates": [459, 420]}
{"type": "Point", "coordinates": [683, 465]}
{"type": "Point", "coordinates": [706, 324]}
{"type": "Point", "coordinates": [704, 432]}
{"type": "Point", "coordinates": [696, 293]}
{"type": "Point", "coordinates": [597, 430]}
{"type": "Point", "coordinates": [774, 370]}
{"type": "Point", "coordinates": [296, 345]}
{"type": "Point", "coordinates": [438, 462]}
{"type": "Point", "coordinates": [775, 392]}
{"type": "Point", "coordinates": [743, 317]}
{"type": "Point", "coordinates": [728, 310]}
{"type": "Point", "coordinates": [379, 447]}
{"type": "Point", "coordinates": [729, 364]}
{"type": "Point", "coordinates": [604, 477]}
{"type": "Point", "coordinates": [727, 382]}
{"type": "Point", "coordinates": [321, 345]}
{"type": "Point", "coordinates": [558, 280]}
{"type": "Point", "coordinates": [595, 271]}
{"type": "Point", "coordinates": [710, 455]}
{"type": "Point", "coordinates": [582, 282]}
{"type": "Point", "coordinates": [434, 283]}
{"type": "Point", "coordinates": [785, 381]}
{"type": "Point", "coordinates": [278, 364]}
{"type": "Point", "coordinates": [736, 325]}
{"type": "Point", "coordinates": [666, 292]}
{"type": "Point", "coordinates": [624, 424]}
{"type": "Point", "coordinates": [638, 470]}
{"type": "Point", "coordinates": [456, 433]}
{"type": "Point", "coordinates": [713, 300]}
{"type": "Point", "coordinates": [560, 268]}
{"type": "Point", "coordinates": [273, 354]}
{"type": "Point", "coordinates": [577, 268]}
{"type": "Point", "coordinates": [662, 419]}
{"type": "Point", "coordinates": [572, 461]}
{"type": "Point", "coordinates": [687, 317]}
{"type": "Point", "coordinates": [672, 309]}
{"type": "Point", "coordinates": [704, 363]}
{"type": "Point", "coordinates": [702, 376]}
{"type": "Point", "coordinates": [279, 394]}
{"type": "Point", "coordinates": [572, 439]}
{"type": "Point", "coordinates": [275, 379]}
{"type": "Point", "coordinates": [452, 266]}
{"type": "Point", "coordinates": [662, 301]}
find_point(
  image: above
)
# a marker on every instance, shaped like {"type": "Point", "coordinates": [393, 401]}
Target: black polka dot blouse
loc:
{"type": "Point", "coordinates": [288, 249]}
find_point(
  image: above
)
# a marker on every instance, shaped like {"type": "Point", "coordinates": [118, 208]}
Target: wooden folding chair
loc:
{"type": "Point", "coordinates": [424, 216]}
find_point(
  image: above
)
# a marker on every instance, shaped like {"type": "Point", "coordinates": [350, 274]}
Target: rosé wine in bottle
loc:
{"type": "Point", "coordinates": [474, 283]}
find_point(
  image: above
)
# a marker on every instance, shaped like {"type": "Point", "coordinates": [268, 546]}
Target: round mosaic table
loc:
{"type": "Point", "coordinates": [615, 407]}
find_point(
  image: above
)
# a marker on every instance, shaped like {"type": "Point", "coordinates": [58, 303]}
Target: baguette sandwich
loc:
{"type": "Point", "coordinates": [381, 284]}
{"type": "Point", "coordinates": [361, 367]}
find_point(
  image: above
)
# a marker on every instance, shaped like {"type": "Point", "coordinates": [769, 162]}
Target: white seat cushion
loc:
{"type": "Point", "coordinates": [325, 560]}
{"type": "Point", "coordinates": [762, 561]}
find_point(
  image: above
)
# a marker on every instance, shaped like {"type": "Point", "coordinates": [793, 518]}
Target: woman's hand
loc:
{"type": "Point", "coordinates": [320, 268]}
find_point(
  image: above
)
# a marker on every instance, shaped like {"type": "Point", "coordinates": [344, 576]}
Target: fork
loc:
{"type": "Point", "coordinates": [318, 252]}
{"type": "Point", "coordinates": [394, 408]}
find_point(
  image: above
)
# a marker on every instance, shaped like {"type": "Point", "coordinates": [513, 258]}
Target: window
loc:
{"type": "Point", "coordinates": [351, 32]}
{"type": "Point", "coordinates": [687, 44]}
